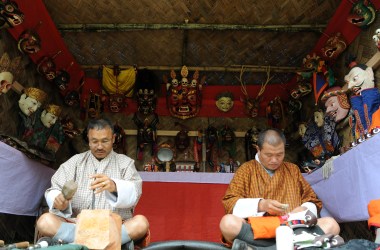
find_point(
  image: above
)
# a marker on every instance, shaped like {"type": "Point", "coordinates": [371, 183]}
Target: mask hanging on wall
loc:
{"type": "Point", "coordinates": [10, 14]}
{"type": "Point", "coordinates": [46, 66]}
{"type": "Point", "coordinates": [182, 139]}
{"type": "Point", "coordinates": [146, 119]}
{"type": "Point", "coordinates": [8, 68]}
{"type": "Point", "coordinates": [225, 101]}
{"type": "Point", "coordinates": [29, 42]}
{"type": "Point", "coordinates": [62, 78]}
{"type": "Point", "coordinates": [334, 46]}
{"type": "Point", "coordinates": [251, 137]}
{"type": "Point", "coordinates": [184, 101]}
{"type": "Point", "coordinates": [362, 14]}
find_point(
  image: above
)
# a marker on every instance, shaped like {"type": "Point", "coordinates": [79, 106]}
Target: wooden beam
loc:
{"type": "Point", "coordinates": [374, 62]}
{"type": "Point", "coordinates": [103, 27]}
{"type": "Point", "coordinates": [231, 68]}
{"type": "Point", "coordinates": [174, 133]}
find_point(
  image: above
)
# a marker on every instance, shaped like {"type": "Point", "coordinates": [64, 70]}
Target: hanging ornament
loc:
{"type": "Point", "coordinates": [10, 14]}
{"type": "Point", "coordinates": [29, 41]}
{"type": "Point", "coordinates": [46, 66]}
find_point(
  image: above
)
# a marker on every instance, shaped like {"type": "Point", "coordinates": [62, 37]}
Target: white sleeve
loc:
{"type": "Point", "coordinates": [50, 197]}
{"type": "Point", "coordinates": [126, 194]}
{"type": "Point", "coordinates": [312, 207]}
{"type": "Point", "coordinates": [247, 207]}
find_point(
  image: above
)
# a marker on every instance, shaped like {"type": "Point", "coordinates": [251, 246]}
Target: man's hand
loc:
{"type": "Point", "coordinates": [298, 209]}
{"type": "Point", "coordinates": [60, 202]}
{"type": "Point", "coordinates": [102, 182]}
{"type": "Point", "coordinates": [272, 207]}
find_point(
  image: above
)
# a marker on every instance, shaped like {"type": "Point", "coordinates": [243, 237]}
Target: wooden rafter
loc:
{"type": "Point", "coordinates": [231, 68]}
{"type": "Point", "coordinates": [102, 27]}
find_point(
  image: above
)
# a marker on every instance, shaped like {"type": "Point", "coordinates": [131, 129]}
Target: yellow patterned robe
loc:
{"type": "Point", "coordinates": [287, 186]}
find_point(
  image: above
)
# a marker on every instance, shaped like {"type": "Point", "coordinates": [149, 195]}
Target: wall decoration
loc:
{"type": "Point", "coordinates": [29, 42]}
{"type": "Point", "coordinates": [376, 38]}
{"type": "Point", "coordinates": [119, 145]}
{"type": "Point", "coordinates": [365, 100]}
{"type": "Point", "coordinates": [362, 14]}
{"type": "Point", "coordinates": [303, 88]}
{"type": "Point", "coordinates": [334, 46]}
{"type": "Point", "coordinates": [10, 14]}
{"type": "Point", "coordinates": [252, 104]}
{"type": "Point", "coordinates": [319, 73]}
{"type": "Point", "coordinates": [320, 139]}
{"type": "Point", "coordinates": [118, 84]}
{"type": "Point", "coordinates": [8, 68]}
{"type": "Point", "coordinates": [250, 141]}
{"type": "Point", "coordinates": [146, 119]}
{"type": "Point", "coordinates": [62, 78]}
{"type": "Point", "coordinates": [46, 66]}
{"type": "Point", "coordinates": [276, 113]}
{"type": "Point", "coordinates": [182, 139]}
{"type": "Point", "coordinates": [185, 99]}
{"type": "Point", "coordinates": [225, 101]}
{"type": "Point", "coordinates": [336, 103]}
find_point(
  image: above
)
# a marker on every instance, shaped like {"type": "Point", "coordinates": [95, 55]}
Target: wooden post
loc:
{"type": "Point", "coordinates": [374, 62]}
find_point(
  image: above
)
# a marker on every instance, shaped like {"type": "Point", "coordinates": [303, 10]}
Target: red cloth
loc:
{"type": "Point", "coordinates": [182, 211]}
{"type": "Point", "coordinates": [51, 40]}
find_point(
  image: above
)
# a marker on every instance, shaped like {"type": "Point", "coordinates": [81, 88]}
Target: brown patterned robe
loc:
{"type": "Point", "coordinates": [287, 186]}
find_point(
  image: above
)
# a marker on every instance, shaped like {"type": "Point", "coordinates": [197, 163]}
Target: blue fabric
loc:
{"type": "Point", "coordinates": [370, 98]}
{"type": "Point", "coordinates": [66, 232]}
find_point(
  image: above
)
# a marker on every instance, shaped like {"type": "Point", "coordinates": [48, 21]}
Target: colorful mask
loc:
{"type": "Point", "coordinates": [334, 46]}
{"type": "Point", "coordinates": [7, 68]}
{"type": "Point", "coordinates": [252, 106]}
{"type": "Point", "coordinates": [228, 141]}
{"type": "Point", "coordinates": [251, 138]}
{"type": "Point", "coordinates": [321, 139]}
{"type": "Point", "coordinates": [182, 139]}
{"type": "Point", "coordinates": [116, 103]}
{"type": "Point", "coordinates": [31, 100]}
{"type": "Point", "coordinates": [184, 101]}
{"type": "Point", "coordinates": [303, 88]}
{"type": "Point", "coordinates": [6, 80]}
{"type": "Point", "coordinates": [146, 101]}
{"type": "Point", "coordinates": [359, 78]}
{"type": "Point", "coordinates": [10, 14]}
{"type": "Point", "coordinates": [46, 67]}
{"type": "Point", "coordinates": [336, 103]}
{"type": "Point", "coordinates": [94, 105]}
{"type": "Point", "coordinates": [362, 14]}
{"type": "Point", "coordinates": [72, 98]}
{"type": "Point", "coordinates": [302, 127]}
{"type": "Point", "coordinates": [50, 114]}
{"type": "Point", "coordinates": [224, 101]}
{"type": "Point", "coordinates": [146, 90]}
{"type": "Point", "coordinates": [29, 42]}
{"type": "Point", "coordinates": [119, 144]}
{"type": "Point", "coordinates": [69, 127]}
{"type": "Point", "coordinates": [62, 79]}
{"type": "Point", "coordinates": [275, 113]}
{"type": "Point", "coordinates": [146, 132]}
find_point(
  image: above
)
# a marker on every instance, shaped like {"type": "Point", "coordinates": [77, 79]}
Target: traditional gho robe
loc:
{"type": "Point", "coordinates": [251, 182]}
{"type": "Point", "coordinates": [287, 186]}
{"type": "Point", "coordinates": [120, 168]}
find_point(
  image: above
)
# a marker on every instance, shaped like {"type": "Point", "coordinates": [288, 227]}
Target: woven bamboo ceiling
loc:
{"type": "Point", "coordinates": [204, 33]}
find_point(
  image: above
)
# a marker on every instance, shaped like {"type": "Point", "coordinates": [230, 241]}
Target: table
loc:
{"type": "Point", "coordinates": [183, 206]}
{"type": "Point", "coordinates": [23, 182]}
{"type": "Point", "coordinates": [353, 183]}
